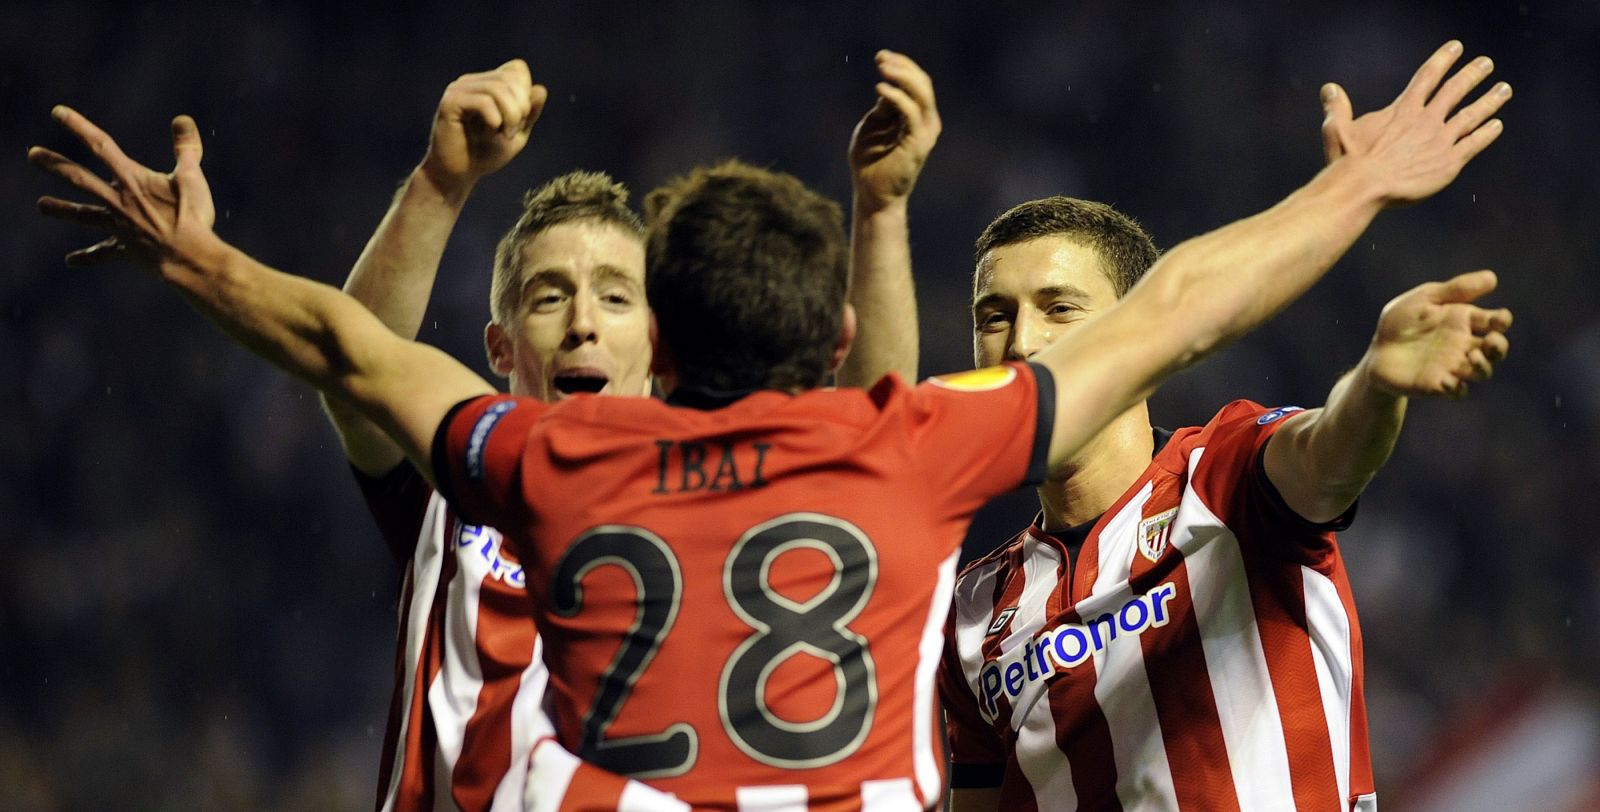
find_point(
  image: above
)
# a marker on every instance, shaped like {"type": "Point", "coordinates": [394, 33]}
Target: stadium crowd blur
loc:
{"type": "Point", "coordinates": [196, 611]}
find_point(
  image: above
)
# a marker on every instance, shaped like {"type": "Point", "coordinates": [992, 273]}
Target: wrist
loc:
{"type": "Point", "coordinates": [435, 181]}
{"type": "Point", "coordinates": [870, 206]}
{"type": "Point", "coordinates": [1369, 383]}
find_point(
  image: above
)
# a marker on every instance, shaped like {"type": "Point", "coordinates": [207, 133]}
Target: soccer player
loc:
{"type": "Point", "coordinates": [568, 316]}
{"type": "Point", "coordinates": [742, 591]}
{"type": "Point", "coordinates": [1176, 629]}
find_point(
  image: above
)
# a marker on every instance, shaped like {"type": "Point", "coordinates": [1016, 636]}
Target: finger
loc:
{"type": "Point", "coordinates": [81, 213]}
{"type": "Point", "coordinates": [101, 252]}
{"type": "Point", "coordinates": [68, 170]}
{"type": "Point", "coordinates": [1479, 140]}
{"type": "Point", "coordinates": [1481, 368]}
{"type": "Point", "coordinates": [1488, 321]}
{"type": "Point", "coordinates": [92, 137]}
{"type": "Point", "coordinates": [1336, 115]}
{"type": "Point", "coordinates": [537, 96]}
{"type": "Point", "coordinates": [1496, 347]}
{"type": "Point", "coordinates": [512, 111]}
{"type": "Point", "coordinates": [1430, 74]}
{"type": "Point", "coordinates": [517, 70]}
{"type": "Point", "coordinates": [481, 105]}
{"type": "Point", "coordinates": [1464, 288]}
{"type": "Point", "coordinates": [910, 77]}
{"type": "Point", "coordinates": [1453, 91]}
{"type": "Point", "coordinates": [1479, 111]}
{"type": "Point", "coordinates": [186, 146]}
{"type": "Point", "coordinates": [902, 102]}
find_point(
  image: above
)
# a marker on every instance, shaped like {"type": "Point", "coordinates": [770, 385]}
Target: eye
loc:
{"type": "Point", "coordinates": [994, 321]}
{"type": "Point", "coordinates": [1061, 310]}
{"type": "Point", "coordinates": [546, 300]}
{"type": "Point", "coordinates": [616, 298]}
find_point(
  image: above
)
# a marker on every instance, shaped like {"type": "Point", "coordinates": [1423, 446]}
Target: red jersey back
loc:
{"type": "Point", "coordinates": [744, 605]}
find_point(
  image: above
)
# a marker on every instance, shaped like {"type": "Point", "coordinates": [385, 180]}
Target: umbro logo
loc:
{"type": "Point", "coordinates": [1000, 621]}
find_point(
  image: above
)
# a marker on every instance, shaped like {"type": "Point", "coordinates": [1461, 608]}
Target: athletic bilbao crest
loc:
{"type": "Point", "coordinates": [1154, 534]}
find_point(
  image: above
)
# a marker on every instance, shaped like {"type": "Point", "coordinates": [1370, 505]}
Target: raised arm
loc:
{"type": "Point", "coordinates": [163, 222]}
{"type": "Point", "coordinates": [482, 122]}
{"type": "Point", "coordinates": [887, 150]}
{"type": "Point", "coordinates": [1431, 341]}
{"type": "Point", "coordinates": [1212, 289]}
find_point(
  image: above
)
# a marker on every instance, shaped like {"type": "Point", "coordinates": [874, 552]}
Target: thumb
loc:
{"type": "Point", "coordinates": [1336, 116]}
{"type": "Point", "coordinates": [1465, 288]}
{"type": "Point", "coordinates": [186, 146]}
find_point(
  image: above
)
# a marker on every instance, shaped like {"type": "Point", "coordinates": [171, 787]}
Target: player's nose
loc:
{"type": "Point", "coordinates": [1028, 336]}
{"type": "Point", "coordinates": [581, 321]}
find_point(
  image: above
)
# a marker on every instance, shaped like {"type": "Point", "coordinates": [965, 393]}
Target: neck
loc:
{"type": "Point", "coordinates": [1100, 473]}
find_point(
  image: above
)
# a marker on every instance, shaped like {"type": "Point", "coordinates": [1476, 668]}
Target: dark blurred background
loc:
{"type": "Point", "coordinates": [196, 612]}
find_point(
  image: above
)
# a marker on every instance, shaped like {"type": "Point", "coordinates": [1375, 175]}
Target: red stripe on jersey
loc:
{"type": "Point", "coordinates": [1084, 737]}
{"type": "Point", "coordinates": [1186, 706]}
{"type": "Point", "coordinates": [1279, 600]}
{"type": "Point", "coordinates": [391, 732]}
{"type": "Point", "coordinates": [417, 779]}
{"type": "Point", "coordinates": [505, 644]}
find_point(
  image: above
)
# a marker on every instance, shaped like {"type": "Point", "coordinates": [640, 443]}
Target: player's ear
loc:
{"type": "Point", "coordinates": [497, 344]}
{"type": "Point", "coordinates": [847, 336]}
{"type": "Point", "coordinates": [660, 361]}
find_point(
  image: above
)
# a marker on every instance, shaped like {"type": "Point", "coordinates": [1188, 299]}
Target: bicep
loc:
{"type": "Point", "coordinates": [408, 388]}
{"type": "Point", "coordinates": [1290, 463]}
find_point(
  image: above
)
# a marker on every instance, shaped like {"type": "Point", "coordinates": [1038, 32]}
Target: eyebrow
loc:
{"type": "Point", "coordinates": [1061, 291]}
{"type": "Point", "coordinates": [560, 278]}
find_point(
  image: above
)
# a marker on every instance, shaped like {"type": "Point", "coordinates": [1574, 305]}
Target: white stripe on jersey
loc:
{"type": "Point", "coordinates": [925, 754]}
{"type": "Point", "coordinates": [454, 693]}
{"type": "Point", "coordinates": [892, 794]}
{"type": "Point", "coordinates": [1046, 767]}
{"type": "Point", "coordinates": [426, 564]}
{"type": "Point", "coordinates": [1330, 649]}
{"type": "Point", "coordinates": [1122, 684]}
{"type": "Point", "coordinates": [1235, 658]}
{"type": "Point", "coordinates": [529, 723]}
{"type": "Point", "coordinates": [550, 770]}
{"type": "Point", "coordinates": [777, 798]}
{"type": "Point", "coordinates": [974, 613]}
{"type": "Point", "coordinates": [1041, 562]}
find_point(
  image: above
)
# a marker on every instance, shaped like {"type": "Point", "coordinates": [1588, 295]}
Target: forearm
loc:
{"type": "Point", "coordinates": [394, 275]}
{"type": "Point", "coordinates": [1322, 461]}
{"type": "Point", "coordinates": [883, 294]}
{"type": "Point", "coordinates": [1200, 296]}
{"type": "Point", "coordinates": [326, 338]}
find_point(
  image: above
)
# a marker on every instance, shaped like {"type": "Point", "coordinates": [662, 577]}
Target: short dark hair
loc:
{"type": "Point", "coordinates": [1125, 248]}
{"type": "Point", "coordinates": [746, 273]}
{"type": "Point", "coordinates": [573, 196]}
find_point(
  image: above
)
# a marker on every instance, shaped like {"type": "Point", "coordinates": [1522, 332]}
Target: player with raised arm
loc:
{"type": "Point", "coordinates": [728, 608]}
{"type": "Point", "coordinates": [1176, 629]}
{"type": "Point", "coordinates": [469, 680]}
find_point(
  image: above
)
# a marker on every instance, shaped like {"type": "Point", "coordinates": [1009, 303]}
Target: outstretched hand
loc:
{"type": "Point", "coordinates": [1420, 142]}
{"type": "Point", "coordinates": [483, 121]}
{"type": "Point", "coordinates": [152, 217]}
{"type": "Point", "coordinates": [1432, 341]}
{"type": "Point", "coordinates": [892, 141]}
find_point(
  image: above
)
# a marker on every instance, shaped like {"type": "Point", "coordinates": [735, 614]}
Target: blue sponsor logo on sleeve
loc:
{"type": "Point", "coordinates": [1277, 413]}
{"type": "Point", "coordinates": [480, 436]}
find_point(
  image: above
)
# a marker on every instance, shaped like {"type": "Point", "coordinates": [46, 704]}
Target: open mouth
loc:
{"type": "Point", "coordinates": [580, 383]}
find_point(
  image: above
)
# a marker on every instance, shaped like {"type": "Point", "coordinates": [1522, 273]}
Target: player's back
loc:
{"type": "Point", "coordinates": [745, 604]}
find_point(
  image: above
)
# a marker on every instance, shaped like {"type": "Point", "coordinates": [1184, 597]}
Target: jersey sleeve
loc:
{"type": "Point", "coordinates": [398, 501]}
{"type": "Point", "coordinates": [977, 756]}
{"type": "Point", "coordinates": [478, 455]}
{"type": "Point", "coordinates": [979, 434]}
{"type": "Point", "coordinates": [1234, 476]}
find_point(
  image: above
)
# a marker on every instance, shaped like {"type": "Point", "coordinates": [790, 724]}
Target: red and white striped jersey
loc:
{"type": "Point", "coordinates": [743, 599]}
{"type": "Point", "coordinates": [469, 682]}
{"type": "Point", "coordinates": [1201, 653]}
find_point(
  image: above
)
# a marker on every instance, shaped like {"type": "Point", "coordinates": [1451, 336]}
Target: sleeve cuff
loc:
{"type": "Point", "coordinates": [1044, 424]}
{"type": "Point", "coordinates": [440, 461]}
{"type": "Point", "coordinates": [1338, 524]}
